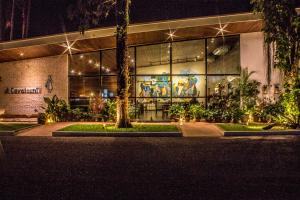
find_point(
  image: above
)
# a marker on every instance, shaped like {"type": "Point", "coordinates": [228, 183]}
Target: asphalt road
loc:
{"type": "Point", "coordinates": [150, 168]}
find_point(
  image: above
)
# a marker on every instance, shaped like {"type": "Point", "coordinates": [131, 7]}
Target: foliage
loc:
{"type": "Point", "coordinates": [224, 107]}
{"type": "Point", "coordinates": [282, 30]}
{"type": "Point", "coordinates": [285, 111]}
{"type": "Point", "coordinates": [41, 118]}
{"type": "Point", "coordinates": [177, 111]}
{"type": "Point", "coordinates": [290, 106]}
{"type": "Point", "coordinates": [197, 111]}
{"type": "Point", "coordinates": [249, 90]}
{"type": "Point", "coordinates": [57, 109]}
{"type": "Point", "coordinates": [134, 111]}
{"type": "Point", "coordinates": [112, 109]}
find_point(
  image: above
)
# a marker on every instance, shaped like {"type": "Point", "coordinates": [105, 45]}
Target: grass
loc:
{"type": "Point", "coordinates": [112, 128]}
{"type": "Point", "coordinates": [250, 127]}
{"type": "Point", "coordinates": [13, 127]}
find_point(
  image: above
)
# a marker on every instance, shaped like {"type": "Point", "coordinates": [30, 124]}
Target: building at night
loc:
{"type": "Point", "coordinates": [164, 69]}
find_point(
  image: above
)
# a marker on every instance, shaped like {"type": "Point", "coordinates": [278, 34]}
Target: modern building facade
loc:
{"type": "Point", "coordinates": [188, 66]}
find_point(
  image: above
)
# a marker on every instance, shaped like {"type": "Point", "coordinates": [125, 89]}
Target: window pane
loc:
{"type": "Point", "coordinates": [189, 100]}
{"type": "Point", "coordinates": [84, 86]}
{"type": "Point", "coordinates": [85, 64]}
{"type": "Point", "coordinates": [153, 59]}
{"type": "Point", "coordinates": [189, 86]}
{"type": "Point", "coordinates": [153, 86]}
{"type": "Point", "coordinates": [109, 63]}
{"type": "Point", "coordinates": [151, 109]}
{"type": "Point", "coordinates": [224, 83]}
{"type": "Point", "coordinates": [109, 86]}
{"type": "Point", "coordinates": [189, 57]}
{"type": "Point", "coordinates": [223, 55]}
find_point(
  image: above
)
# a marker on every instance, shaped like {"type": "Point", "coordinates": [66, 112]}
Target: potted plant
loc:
{"type": "Point", "coordinates": [177, 112]}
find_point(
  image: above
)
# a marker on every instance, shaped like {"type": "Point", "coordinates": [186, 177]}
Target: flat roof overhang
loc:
{"type": "Point", "coordinates": [138, 34]}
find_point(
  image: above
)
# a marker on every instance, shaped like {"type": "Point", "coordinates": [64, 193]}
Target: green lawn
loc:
{"type": "Point", "coordinates": [112, 128]}
{"type": "Point", "coordinates": [242, 127]}
{"type": "Point", "coordinates": [13, 127]}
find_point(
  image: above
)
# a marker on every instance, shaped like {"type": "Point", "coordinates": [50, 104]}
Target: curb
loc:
{"type": "Point", "coordinates": [261, 133]}
{"type": "Point", "coordinates": [16, 132]}
{"type": "Point", "coordinates": [115, 134]}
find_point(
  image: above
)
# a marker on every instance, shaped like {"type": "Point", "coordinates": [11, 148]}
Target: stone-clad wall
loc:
{"type": "Point", "coordinates": [32, 73]}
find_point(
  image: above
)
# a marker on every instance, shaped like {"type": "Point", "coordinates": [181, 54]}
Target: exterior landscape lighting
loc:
{"type": "Point", "coordinates": [222, 29]}
{"type": "Point", "coordinates": [69, 46]}
{"type": "Point", "coordinates": [171, 35]}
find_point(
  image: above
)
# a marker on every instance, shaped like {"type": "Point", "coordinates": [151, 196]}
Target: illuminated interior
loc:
{"type": "Point", "coordinates": [160, 74]}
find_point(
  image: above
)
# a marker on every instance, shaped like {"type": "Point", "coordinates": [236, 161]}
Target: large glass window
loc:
{"type": "Point", "coordinates": [153, 59]}
{"type": "Point", "coordinates": [188, 57]}
{"type": "Point", "coordinates": [109, 62]}
{"type": "Point", "coordinates": [223, 55]}
{"type": "Point", "coordinates": [225, 83]}
{"type": "Point", "coordinates": [85, 64]}
{"type": "Point", "coordinates": [199, 69]}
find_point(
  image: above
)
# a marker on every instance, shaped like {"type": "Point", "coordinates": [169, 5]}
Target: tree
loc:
{"type": "Point", "coordinates": [91, 11]}
{"type": "Point", "coordinates": [1, 20]}
{"type": "Point", "coordinates": [282, 32]}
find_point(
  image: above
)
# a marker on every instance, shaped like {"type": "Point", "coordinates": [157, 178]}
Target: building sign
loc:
{"type": "Point", "coordinates": [24, 90]}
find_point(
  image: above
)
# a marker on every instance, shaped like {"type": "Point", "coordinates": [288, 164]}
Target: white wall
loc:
{"type": "Point", "coordinates": [254, 57]}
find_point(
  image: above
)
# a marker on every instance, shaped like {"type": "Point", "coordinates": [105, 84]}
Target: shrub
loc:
{"type": "Point", "coordinates": [197, 111]}
{"type": "Point", "coordinates": [57, 109]}
{"type": "Point", "coordinates": [41, 118]}
{"type": "Point", "coordinates": [111, 107]}
{"type": "Point", "coordinates": [177, 111]}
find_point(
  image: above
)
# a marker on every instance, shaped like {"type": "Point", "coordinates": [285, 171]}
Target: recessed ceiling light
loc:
{"type": "Point", "coordinates": [90, 61]}
{"type": "Point", "coordinates": [81, 56]}
{"type": "Point", "coordinates": [22, 54]}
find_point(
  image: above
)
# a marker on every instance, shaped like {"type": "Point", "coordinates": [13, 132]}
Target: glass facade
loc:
{"type": "Point", "coordinates": [160, 74]}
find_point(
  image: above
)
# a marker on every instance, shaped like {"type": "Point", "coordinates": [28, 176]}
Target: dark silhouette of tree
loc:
{"type": "Point", "coordinates": [282, 32]}
{"type": "Point", "coordinates": [91, 12]}
{"type": "Point", "coordinates": [1, 20]}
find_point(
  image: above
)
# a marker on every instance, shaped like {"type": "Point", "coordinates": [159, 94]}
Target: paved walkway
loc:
{"type": "Point", "coordinates": [191, 129]}
{"type": "Point", "coordinates": [45, 130]}
{"type": "Point", "coordinates": [200, 129]}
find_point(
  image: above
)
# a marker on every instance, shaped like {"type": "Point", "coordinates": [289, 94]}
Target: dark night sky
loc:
{"type": "Point", "coordinates": [50, 16]}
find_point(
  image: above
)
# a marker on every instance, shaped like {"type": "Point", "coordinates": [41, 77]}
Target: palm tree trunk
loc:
{"type": "Point", "coordinates": [1, 20]}
{"type": "Point", "coordinates": [122, 20]}
{"type": "Point", "coordinates": [28, 18]}
{"type": "Point", "coordinates": [23, 18]}
{"type": "Point", "coordinates": [12, 18]}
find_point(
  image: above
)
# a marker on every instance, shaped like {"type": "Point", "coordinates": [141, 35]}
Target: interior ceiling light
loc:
{"type": "Point", "coordinates": [220, 51]}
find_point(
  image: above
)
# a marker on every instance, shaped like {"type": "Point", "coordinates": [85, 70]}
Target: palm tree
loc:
{"type": "Point", "coordinates": [244, 83]}
{"type": "Point", "coordinates": [91, 11]}
{"type": "Point", "coordinates": [1, 20]}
